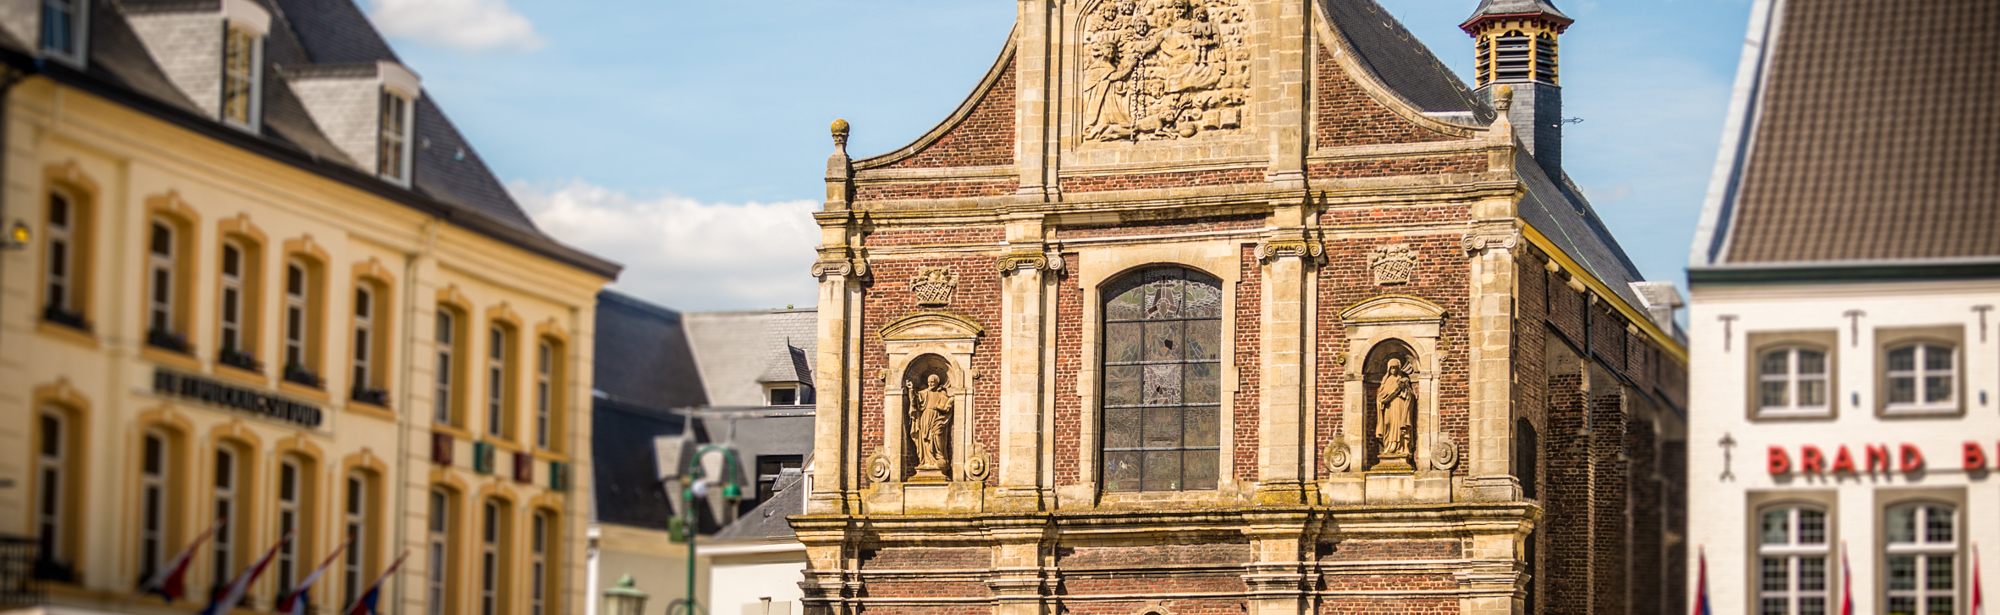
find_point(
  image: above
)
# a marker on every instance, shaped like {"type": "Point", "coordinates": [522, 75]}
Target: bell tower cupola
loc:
{"type": "Point", "coordinates": [1515, 43]}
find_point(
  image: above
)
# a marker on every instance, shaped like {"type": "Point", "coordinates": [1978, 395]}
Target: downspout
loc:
{"type": "Point", "coordinates": [407, 387]}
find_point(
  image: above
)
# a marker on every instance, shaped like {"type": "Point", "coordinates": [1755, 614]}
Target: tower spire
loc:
{"type": "Point", "coordinates": [1515, 43]}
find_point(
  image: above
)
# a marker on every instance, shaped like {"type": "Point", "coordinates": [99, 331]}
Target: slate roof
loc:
{"type": "Point", "coordinates": [449, 179]}
{"type": "Point", "coordinates": [1400, 61]}
{"type": "Point", "coordinates": [624, 468]}
{"type": "Point", "coordinates": [739, 351]}
{"type": "Point", "coordinates": [642, 355]}
{"type": "Point", "coordinates": [1873, 136]}
{"type": "Point", "coordinates": [767, 520]}
{"type": "Point", "coordinates": [1515, 7]}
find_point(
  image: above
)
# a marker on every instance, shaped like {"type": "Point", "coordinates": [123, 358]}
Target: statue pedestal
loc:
{"type": "Point", "coordinates": [1393, 464]}
{"type": "Point", "coordinates": [929, 476]}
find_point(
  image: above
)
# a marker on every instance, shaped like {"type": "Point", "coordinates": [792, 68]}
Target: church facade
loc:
{"type": "Point", "coordinates": [1240, 306]}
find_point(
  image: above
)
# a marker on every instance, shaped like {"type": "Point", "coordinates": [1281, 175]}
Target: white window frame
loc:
{"type": "Point", "coordinates": [289, 487]}
{"type": "Point", "coordinates": [250, 76]}
{"type": "Point", "coordinates": [51, 485]}
{"type": "Point", "coordinates": [228, 476]}
{"type": "Point", "coordinates": [161, 268]}
{"type": "Point", "coordinates": [155, 467]}
{"type": "Point", "coordinates": [364, 332]}
{"type": "Point", "coordinates": [395, 119]}
{"type": "Point", "coordinates": [1795, 383]}
{"type": "Point", "coordinates": [1920, 374]}
{"type": "Point", "coordinates": [230, 313]}
{"type": "Point", "coordinates": [497, 340]}
{"type": "Point", "coordinates": [355, 528]}
{"type": "Point", "coordinates": [79, 20]}
{"type": "Point", "coordinates": [1925, 552]}
{"type": "Point", "coordinates": [61, 264]}
{"type": "Point", "coordinates": [298, 313]}
{"type": "Point", "coordinates": [544, 392]}
{"type": "Point", "coordinates": [538, 561]}
{"type": "Point", "coordinates": [489, 560]}
{"type": "Point", "coordinates": [447, 371]}
{"type": "Point", "coordinates": [437, 578]}
{"type": "Point", "coordinates": [1794, 554]}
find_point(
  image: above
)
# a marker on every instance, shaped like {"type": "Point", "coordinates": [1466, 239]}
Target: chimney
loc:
{"type": "Point", "coordinates": [1515, 43]}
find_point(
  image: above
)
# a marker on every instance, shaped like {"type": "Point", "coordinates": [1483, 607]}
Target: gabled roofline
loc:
{"type": "Point", "coordinates": [1343, 53]}
{"type": "Point", "coordinates": [958, 116]}
{"type": "Point", "coordinates": [1718, 210]}
{"type": "Point", "coordinates": [526, 239]}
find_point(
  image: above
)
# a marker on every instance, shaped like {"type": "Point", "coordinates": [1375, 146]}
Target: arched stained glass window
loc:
{"type": "Point", "coordinates": [1162, 381]}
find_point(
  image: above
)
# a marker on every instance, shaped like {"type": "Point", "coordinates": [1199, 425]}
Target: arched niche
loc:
{"type": "Point", "coordinates": [1377, 330]}
{"type": "Point", "coordinates": [918, 346]}
{"type": "Point", "coordinates": [1390, 398]}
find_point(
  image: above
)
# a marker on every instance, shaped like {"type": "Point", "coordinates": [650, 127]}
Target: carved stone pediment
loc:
{"type": "Point", "coordinates": [932, 326]}
{"type": "Point", "coordinates": [1392, 309]}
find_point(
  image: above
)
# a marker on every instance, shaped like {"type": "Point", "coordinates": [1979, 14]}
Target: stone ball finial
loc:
{"type": "Point", "coordinates": [1503, 98]}
{"type": "Point", "coordinates": [840, 132]}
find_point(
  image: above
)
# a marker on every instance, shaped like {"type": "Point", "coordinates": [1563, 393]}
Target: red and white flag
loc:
{"type": "Point", "coordinates": [297, 599]}
{"type": "Point", "coordinates": [234, 593]}
{"type": "Point", "coordinates": [1978, 602]}
{"type": "Point", "coordinates": [1846, 582]}
{"type": "Point", "coordinates": [365, 605]}
{"type": "Point", "coordinates": [170, 583]}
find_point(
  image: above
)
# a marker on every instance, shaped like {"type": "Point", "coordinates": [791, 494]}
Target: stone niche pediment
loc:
{"type": "Point", "coordinates": [932, 326]}
{"type": "Point", "coordinates": [1392, 309]}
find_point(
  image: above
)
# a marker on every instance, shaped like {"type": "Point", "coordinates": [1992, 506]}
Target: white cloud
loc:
{"type": "Point", "coordinates": [682, 253]}
{"type": "Point", "coordinates": [466, 25]}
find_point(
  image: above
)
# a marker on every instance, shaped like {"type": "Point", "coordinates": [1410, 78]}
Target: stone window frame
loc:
{"type": "Point", "coordinates": [1759, 342]}
{"type": "Point", "coordinates": [1755, 504]}
{"type": "Point", "coordinates": [1098, 265]}
{"type": "Point", "coordinates": [1953, 497]}
{"type": "Point", "coordinates": [1890, 338]}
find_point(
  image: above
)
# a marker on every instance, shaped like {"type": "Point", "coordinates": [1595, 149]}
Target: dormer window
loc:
{"type": "Point", "coordinates": [63, 29]}
{"type": "Point", "coordinates": [242, 83]}
{"type": "Point", "coordinates": [393, 159]}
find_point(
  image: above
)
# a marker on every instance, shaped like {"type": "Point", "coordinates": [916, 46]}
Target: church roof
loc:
{"type": "Point", "coordinates": [1400, 61]}
{"type": "Point", "coordinates": [1488, 8]}
{"type": "Point", "coordinates": [1869, 132]}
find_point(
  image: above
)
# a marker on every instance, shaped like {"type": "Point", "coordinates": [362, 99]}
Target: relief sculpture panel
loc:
{"type": "Point", "coordinates": [1164, 69]}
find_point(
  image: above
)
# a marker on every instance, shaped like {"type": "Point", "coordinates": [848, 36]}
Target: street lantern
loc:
{"type": "Point", "coordinates": [18, 236]}
{"type": "Point", "coordinates": [625, 599]}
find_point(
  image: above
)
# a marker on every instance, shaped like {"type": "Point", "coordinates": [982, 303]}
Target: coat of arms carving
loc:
{"type": "Point", "coordinates": [933, 286]}
{"type": "Point", "coordinates": [1393, 264]}
{"type": "Point", "coordinates": [1164, 69]}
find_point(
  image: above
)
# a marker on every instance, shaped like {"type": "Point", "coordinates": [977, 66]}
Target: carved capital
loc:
{"type": "Point", "coordinates": [1299, 248]}
{"type": "Point", "coordinates": [844, 267]}
{"type": "Point", "coordinates": [1017, 262]}
{"type": "Point", "coordinates": [1476, 243]}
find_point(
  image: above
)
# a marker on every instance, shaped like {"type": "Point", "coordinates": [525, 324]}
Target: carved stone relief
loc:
{"type": "Point", "coordinates": [1164, 69]}
{"type": "Point", "coordinates": [1444, 452]}
{"type": "Point", "coordinates": [978, 463]}
{"type": "Point", "coordinates": [933, 286]}
{"type": "Point", "coordinates": [1393, 264]}
{"type": "Point", "coordinates": [1337, 457]}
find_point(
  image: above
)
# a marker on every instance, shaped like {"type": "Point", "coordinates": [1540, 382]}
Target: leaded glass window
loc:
{"type": "Point", "coordinates": [1162, 381]}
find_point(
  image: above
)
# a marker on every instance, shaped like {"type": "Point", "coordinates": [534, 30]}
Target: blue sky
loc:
{"type": "Point", "coordinates": [687, 139]}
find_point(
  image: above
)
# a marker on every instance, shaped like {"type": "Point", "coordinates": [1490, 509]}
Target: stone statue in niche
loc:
{"type": "Point", "coordinates": [1395, 404]}
{"type": "Point", "coordinates": [930, 424]}
{"type": "Point", "coordinates": [1164, 69]}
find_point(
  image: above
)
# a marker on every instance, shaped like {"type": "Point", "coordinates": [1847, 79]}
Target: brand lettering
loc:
{"type": "Point", "coordinates": [217, 393]}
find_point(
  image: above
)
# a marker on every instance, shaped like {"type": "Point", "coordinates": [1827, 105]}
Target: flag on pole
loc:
{"type": "Point", "coordinates": [1846, 582]}
{"type": "Point", "coordinates": [296, 600]}
{"type": "Point", "coordinates": [1701, 584]}
{"type": "Point", "coordinates": [170, 583]}
{"type": "Point", "coordinates": [234, 593]}
{"type": "Point", "coordinates": [1978, 602]}
{"type": "Point", "coordinates": [365, 605]}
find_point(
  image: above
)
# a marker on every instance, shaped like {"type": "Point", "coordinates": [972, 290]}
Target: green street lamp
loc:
{"type": "Point", "coordinates": [692, 487]}
{"type": "Point", "coordinates": [625, 599]}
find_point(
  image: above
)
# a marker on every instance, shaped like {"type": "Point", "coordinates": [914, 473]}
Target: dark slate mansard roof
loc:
{"type": "Point", "coordinates": [448, 178]}
{"type": "Point", "coordinates": [642, 372]}
{"type": "Point", "coordinates": [1869, 147]}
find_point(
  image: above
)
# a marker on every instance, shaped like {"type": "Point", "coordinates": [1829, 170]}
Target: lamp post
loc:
{"type": "Point", "coordinates": [625, 599]}
{"type": "Point", "coordinates": [692, 487]}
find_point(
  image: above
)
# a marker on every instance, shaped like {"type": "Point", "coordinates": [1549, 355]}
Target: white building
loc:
{"type": "Point", "coordinates": [1844, 430]}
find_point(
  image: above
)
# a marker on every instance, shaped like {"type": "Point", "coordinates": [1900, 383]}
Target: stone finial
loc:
{"type": "Point", "coordinates": [1503, 100]}
{"type": "Point", "coordinates": [840, 135]}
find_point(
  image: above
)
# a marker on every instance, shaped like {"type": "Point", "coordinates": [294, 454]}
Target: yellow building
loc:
{"type": "Point", "coordinates": [265, 280]}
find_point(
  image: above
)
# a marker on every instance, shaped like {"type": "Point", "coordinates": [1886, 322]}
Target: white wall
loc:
{"type": "Point", "coordinates": [739, 582]}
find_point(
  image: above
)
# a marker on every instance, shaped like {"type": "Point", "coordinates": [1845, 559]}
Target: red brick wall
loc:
{"type": "Point", "coordinates": [1392, 550]}
{"type": "Point", "coordinates": [1249, 378]}
{"type": "Point", "coordinates": [1128, 607]}
{"type": "Point", "coordinates": [925, 609]}
{"type": "Point", "coordinates": [900, 191]}
{"type": "Point", "coordinates": [1375, 582]}
{"type": "Point", "coordinates": [1223, 553]}
{"type": "Point", "coordinates": [1611, 548]}
{"type": "Point", "coordinates": [1441, 279]}
{"type": "Point", "coordinates": [984, 138]}
{"type": "Point", "coordinates": [887, 298]}
{"type": "Point", "coordinates": [1162, 227]}
{"type": "Point", "coordinates": [1378, 606]}
{"type": "Point", "coordinates": [1345, 114]}
{"type": "Point", "coordinates": [1400, 215]}
{"type": "Point", "coordinates": [1566, 500]}
{"type": "Point", "coordinates": [1401, 166]}
{"type": "Point", "coordinates": [1069, 361]}
{"type": "Point", "coordinates": [935, 236]}
{"type": "Point", "coordinates": [927, 558]}
{"type": "Point", "coordinates": [1183, 179]}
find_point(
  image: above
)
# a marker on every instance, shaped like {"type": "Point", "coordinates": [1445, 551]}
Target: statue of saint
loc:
{"type": "Point", "coordinates": [1396, 404]}
{"type": "Point", "coordinates": [930, 420]}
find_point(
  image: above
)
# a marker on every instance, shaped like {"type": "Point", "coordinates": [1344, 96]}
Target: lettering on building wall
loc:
{"type": "Point", "coordinates": [1907, 458]}
{"type": "Point", "coordinates": [197, 388]}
